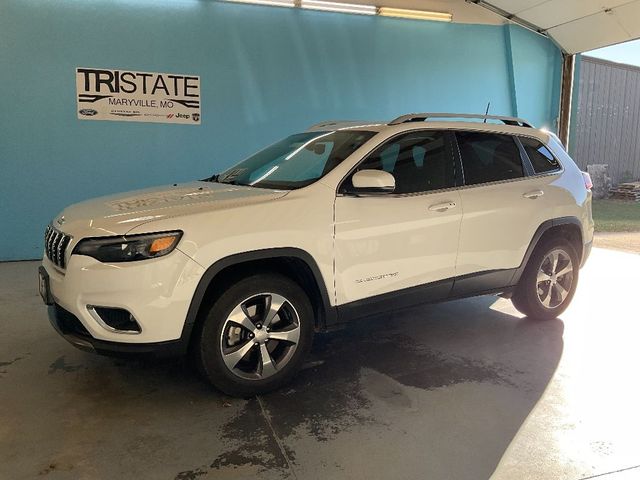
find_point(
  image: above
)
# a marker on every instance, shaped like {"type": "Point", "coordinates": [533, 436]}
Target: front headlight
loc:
{"type": "Point", "coordinates": [129, 248]}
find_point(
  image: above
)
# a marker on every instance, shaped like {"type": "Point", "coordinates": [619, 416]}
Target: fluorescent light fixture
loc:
{"type": "Point", "coordinates": [339, 7]}
{"type": "Point", "coordinates": [414, 14]}
{"type": "Point", "coordinates": [271, 3]}
{"type": "Point", "coordinates": [359, 9]}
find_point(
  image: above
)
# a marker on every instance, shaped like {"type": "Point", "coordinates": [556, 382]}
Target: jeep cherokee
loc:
{"type": "Point", "coordinates": [338, 222]}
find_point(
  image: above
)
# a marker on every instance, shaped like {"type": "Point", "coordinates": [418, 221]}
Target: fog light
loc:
{"type": "Point", "coordinates": [115, 319]}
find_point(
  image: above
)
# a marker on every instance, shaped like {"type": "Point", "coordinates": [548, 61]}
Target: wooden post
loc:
{"type": "Point", "coordinates": [566, 92]}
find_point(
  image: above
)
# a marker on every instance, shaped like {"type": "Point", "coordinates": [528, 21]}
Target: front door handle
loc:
{"type": "Point", "coordinates": [533, 195]}
{"type": "Point", "coordinates": [442, 207]}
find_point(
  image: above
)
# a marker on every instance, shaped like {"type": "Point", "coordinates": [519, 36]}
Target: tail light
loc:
{"type": "Point", "coordinates": [587, 180]}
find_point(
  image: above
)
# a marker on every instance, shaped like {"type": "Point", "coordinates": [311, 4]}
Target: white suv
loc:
{"type": "Point", "coordinates": [341, 221]}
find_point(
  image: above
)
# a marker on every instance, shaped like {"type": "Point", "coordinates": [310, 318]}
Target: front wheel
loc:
{"type": "Point", "coordinates": [256, 335]}
{"type": "Point", "coordinates": [549, 281]}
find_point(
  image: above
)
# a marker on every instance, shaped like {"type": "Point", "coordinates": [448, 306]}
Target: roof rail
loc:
{"type": "Point", "coordinates": [420, 117]}
{"type": "Point", "coordinates": [342, 124]}
{"type": "Point", "coordinates": [326, 123]}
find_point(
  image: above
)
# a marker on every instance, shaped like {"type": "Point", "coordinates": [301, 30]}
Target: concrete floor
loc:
{"type": "Point", "coordinates": [463, 390]}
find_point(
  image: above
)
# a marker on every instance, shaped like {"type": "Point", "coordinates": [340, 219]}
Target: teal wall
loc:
{"type": "Point", "coordinates": [536, 71]}
{"type": "Point", "coordinates": [265, 72]}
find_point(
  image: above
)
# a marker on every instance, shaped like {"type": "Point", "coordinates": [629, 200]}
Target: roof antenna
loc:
{"type": "Point", "coordinates": [487, 112]}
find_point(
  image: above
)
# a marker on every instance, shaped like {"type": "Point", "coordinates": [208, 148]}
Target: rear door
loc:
{"type": "Point", "coordinates": [502, 209]}
{"type": "Point", "coordinates": [388, 242]}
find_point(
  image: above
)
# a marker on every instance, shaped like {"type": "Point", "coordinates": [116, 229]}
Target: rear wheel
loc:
{"type": "Point", "coordinates": [549, 281]}
{"type": "Point", "coordinates": [256, 335]}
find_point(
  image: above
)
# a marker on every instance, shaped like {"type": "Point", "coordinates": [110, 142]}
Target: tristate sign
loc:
{"type": "Point", "coordinates": [104, 94]}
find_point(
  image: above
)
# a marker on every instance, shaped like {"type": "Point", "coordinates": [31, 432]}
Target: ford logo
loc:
{"type": "Point", "coordinates": [89, 112]}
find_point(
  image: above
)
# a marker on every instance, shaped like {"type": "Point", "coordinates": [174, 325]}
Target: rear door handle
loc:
{"type": "Point", "coordinates": [442, 207]}
{"type": "Point", "coordinates": [533, 195]}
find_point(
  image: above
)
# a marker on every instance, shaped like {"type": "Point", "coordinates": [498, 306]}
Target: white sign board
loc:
{"type": "Point", "coordinates": [132, 96]}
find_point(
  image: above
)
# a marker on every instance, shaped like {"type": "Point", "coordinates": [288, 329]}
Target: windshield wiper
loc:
{"type": "Point", "coordinates": [216, 178]}
{"type": "Point", "coordinates": [231, 181]}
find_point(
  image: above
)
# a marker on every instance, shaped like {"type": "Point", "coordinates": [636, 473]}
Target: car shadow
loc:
{"type": "Point", "coordinates": [432, 392]}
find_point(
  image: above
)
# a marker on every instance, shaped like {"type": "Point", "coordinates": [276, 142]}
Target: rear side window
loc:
{"type": "Point", "coordinates": [541, 157]}
{"type": "Point", "coordinates": [489, 157]}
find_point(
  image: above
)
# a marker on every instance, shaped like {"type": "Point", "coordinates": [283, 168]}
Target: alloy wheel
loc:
{"type": "Point", "coordinates": [555, 278]}
{"type": "Point", "coordinates": [260, 336]}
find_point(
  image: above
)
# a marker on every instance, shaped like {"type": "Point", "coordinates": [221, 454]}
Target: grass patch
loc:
{"type": "Point", "coordinates": [616, 216]}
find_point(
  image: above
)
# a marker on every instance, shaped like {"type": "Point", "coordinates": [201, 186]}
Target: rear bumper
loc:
{"type": "Point", "coordinates": [72, 330]}
{"type": "Point", "coordinates": [586, 251]}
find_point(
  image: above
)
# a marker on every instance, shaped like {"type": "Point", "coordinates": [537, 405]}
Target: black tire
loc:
{"type": "Point", "coordinates": [526, 297]}
{"type": "Point", "coordinates": [212, 335]}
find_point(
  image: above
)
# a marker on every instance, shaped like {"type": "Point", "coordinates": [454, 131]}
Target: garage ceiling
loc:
{"type": "Point", "coordinates": [575, 25]}
{"type": "Point", "coordinates": [578, 25]}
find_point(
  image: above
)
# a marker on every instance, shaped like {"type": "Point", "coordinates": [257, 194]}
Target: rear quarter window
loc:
{"type": "Point", "coordinates": [541, 157]}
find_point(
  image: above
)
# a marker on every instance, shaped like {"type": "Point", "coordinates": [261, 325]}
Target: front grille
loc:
{"type": "Point", "coordinates": [55, 245]}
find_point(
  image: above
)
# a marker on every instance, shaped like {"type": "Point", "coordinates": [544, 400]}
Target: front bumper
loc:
{"type": "Point", "coordinates": [72, 330]}
{"type": "Point", "coordinates": [156, 292]}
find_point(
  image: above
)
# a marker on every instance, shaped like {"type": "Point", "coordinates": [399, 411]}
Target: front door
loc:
{"type": "Point", "coordinates": [389, 242]}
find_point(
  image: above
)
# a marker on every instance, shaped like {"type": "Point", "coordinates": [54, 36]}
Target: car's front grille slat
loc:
{"type": "Point", "coordinates": [55, 245]}
{"type": "Point", "coordinates": [50, 245]}
{"type": "Point", "coordinates": [47, 238]}
{"type": "Point", "coordinates": [63, 248]}
{"type": "Point", "coordinates": [54, 249]}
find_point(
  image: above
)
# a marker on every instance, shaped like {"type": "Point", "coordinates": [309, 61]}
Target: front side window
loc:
{"type": "Point", "coordinates": [541, 157]}
{"type": "Point", "coordinates": [419, 161]}
{"type": "Point", "coordinates": [489, 157]}
{"type": "Point", "coordinates": [296, 161]}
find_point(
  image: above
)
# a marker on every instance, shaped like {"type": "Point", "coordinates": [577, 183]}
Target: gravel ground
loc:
{"type": "Point", "coordinates": [623, 241]}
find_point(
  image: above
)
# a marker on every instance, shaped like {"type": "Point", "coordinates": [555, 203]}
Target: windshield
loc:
{"type": "Point", "coordinates": [296, 161]}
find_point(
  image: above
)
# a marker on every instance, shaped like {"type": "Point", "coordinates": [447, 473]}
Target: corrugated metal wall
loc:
{"type": "Point", "coordinates": [607, 121]}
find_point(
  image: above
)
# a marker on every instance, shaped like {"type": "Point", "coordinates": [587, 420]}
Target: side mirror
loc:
{"type": "Point", "coordinates": [373, 181]}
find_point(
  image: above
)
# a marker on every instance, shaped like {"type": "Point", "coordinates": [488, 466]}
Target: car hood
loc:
{"type": "Point", "coordinates": [118, 214]}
